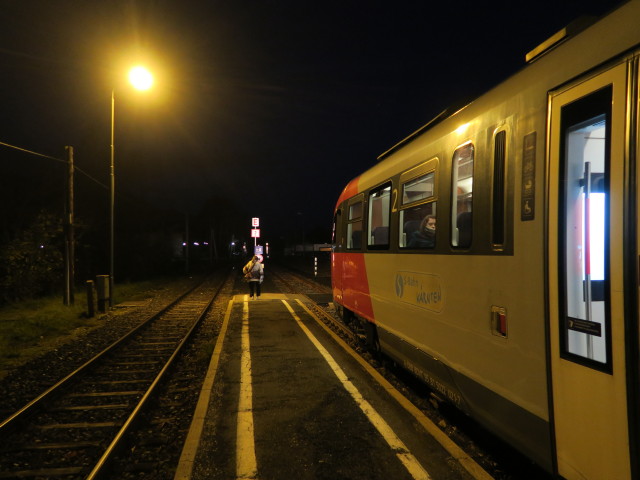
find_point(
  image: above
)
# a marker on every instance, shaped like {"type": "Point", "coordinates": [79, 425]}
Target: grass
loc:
{"type": "Point", "coordinates": [28, 328]}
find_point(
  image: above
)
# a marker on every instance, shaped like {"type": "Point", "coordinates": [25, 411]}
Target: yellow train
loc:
{"type": "Point", "coordinates": [494, 253]}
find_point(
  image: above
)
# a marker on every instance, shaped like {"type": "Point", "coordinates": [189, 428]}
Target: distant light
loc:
{"type": "Point", "coordinates": [140, 78]}
{"type": "Point", "coordinates": [205, 243]}
{"type": "Point", "coordinates": [41, 246]}
{"type": "Point", "coordinates": [196, 244]}
{"type": "Point", "coordinates": [184, 244]}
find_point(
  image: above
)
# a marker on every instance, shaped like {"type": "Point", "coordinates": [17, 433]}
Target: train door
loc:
{"type": "Point", "coordinates": [589, 238]}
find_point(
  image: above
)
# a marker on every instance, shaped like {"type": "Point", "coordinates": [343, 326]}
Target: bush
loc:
{"type": "Point", "coordinates": [33, 264]}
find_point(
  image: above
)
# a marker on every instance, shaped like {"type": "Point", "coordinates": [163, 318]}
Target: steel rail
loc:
{"type": "Point", "coordinates": [100, 469]}
{"type": "Point", "coordinates": [16, 417]}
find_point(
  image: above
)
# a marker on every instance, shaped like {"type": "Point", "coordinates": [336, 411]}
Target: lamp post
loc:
{"type": "Point", "coordinates": [141, 79]}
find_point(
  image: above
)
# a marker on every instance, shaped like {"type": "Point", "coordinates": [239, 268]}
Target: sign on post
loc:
{"type": "Point", "coordinates": [255, 231]}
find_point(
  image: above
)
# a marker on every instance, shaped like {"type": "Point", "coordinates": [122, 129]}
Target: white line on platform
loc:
{"type": "Point", "coordinates": [467, 462]}
{"type": "Point", "coordinates": [410, 462]}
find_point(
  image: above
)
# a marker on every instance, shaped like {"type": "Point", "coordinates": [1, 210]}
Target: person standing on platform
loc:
{"type": "Point", "coordinates": [254, 274]}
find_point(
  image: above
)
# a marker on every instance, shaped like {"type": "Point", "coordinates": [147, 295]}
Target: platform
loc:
{"type": "Point", "coordinates": [285, 398]}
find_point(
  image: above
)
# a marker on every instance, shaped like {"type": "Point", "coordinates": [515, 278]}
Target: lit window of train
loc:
{"type": "Point", "coordinates": [417, 216]}
{"type": "Point", "coordinates": [379, 213]}
{"type": "Point", "coordinates": [418, 223]}
{"type": "Point", "coordinates": [462, 193]}
{"type": "Point", "coordinates": [418, 189]}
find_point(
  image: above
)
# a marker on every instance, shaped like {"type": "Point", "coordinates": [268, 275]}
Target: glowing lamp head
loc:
{"type": "Point", "coordinates": [141, 78]}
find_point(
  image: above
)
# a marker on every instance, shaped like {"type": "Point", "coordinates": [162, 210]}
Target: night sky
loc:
{"type": "Point", "coordinates": [273, 104]}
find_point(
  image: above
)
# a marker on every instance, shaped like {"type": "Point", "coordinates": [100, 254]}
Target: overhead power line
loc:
{"type": "Point", "coordinates": [30, 152]}
{"type": "Point", "coordinates": [33, 153]}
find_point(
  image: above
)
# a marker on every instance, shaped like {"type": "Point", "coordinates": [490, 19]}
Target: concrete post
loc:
{"type": "Point", "coordinates": [91, 309]}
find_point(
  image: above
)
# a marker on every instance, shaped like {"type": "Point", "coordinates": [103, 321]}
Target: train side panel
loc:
{"type": "Point", "coordinates": [438, 324]}
{"type": "Point", "coordinates": [433, 309]}
{"type": "Point", "coordinates": [473, 319]}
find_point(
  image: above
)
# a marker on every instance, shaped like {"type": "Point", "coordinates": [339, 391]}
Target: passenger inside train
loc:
{"type": "Point", "coordinates": [425, 236]}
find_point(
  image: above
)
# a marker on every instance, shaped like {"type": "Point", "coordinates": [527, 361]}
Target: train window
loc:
{"type": "Point", "coordinates": [379, 214]}
{"type": "Point", "coordinates": [498, 203]}
{"type": "Point", "coordinates": [334, 227]}
{"type": "Point", "coordinates": [418, 189]}
{"type": "Point", "coordinates": [355, 211]}
{"type": "Point", "coordinates": [584, 221]}
{"type": "Point", "coordinates": [418, 206]}
{"type": "Point", "coordinates": [462, 193]}
{"type": "Point", "coordinates": [418, 226]}
{"type": "Point", "coordinates": [354, 227]}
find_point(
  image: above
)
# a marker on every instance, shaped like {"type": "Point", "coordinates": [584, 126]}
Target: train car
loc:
{"type": "Point", "coordinates": [494, 253]}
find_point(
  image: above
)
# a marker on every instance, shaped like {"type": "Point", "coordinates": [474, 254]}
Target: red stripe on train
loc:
{"type": "Point", "coordinates": [350, 284]}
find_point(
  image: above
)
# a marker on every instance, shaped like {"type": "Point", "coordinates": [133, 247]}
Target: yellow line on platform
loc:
{"type": "Point", "coordinates": [246, 465]}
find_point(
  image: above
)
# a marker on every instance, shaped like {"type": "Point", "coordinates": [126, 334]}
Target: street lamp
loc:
{"type": "Point", "coordinates": [141, 79]}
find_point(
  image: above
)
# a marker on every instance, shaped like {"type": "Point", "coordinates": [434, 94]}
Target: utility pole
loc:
{"type": "Point", "coordinates": [69, 234]}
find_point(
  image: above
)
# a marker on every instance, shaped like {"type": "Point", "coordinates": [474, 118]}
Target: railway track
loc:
{"type": "Point", "coordinates": [79, 425]}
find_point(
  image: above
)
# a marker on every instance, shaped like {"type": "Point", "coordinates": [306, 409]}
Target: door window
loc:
{"type": "Point", "coordinates": [584, 223]}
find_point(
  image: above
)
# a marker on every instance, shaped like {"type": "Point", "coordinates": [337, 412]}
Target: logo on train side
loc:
{"type": "Point", "coordinates": [419, 289]}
